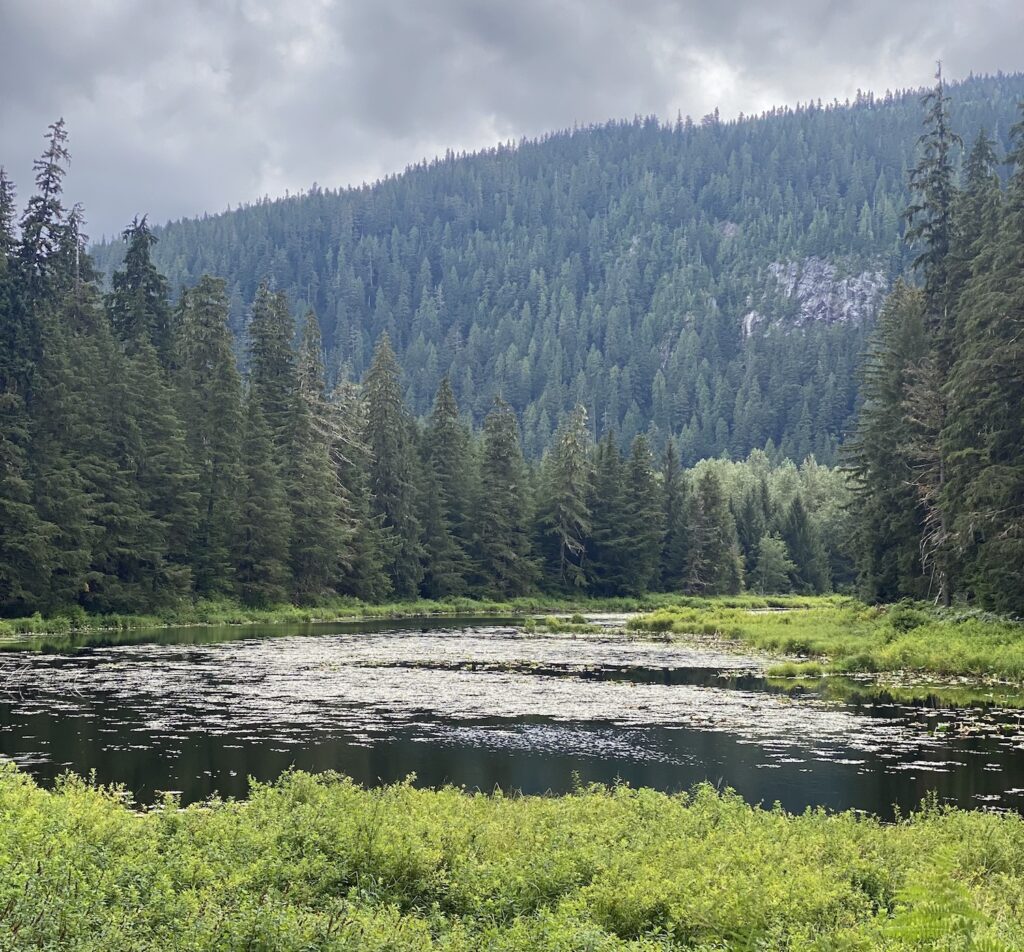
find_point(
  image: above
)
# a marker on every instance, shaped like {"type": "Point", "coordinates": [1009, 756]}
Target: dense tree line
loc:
{"type": "Point", "coordinates": [939, 450]}
{"type": "Point", "coordinates": [138, 465]}
{"type": "Point", "coordinates": [617, 266]}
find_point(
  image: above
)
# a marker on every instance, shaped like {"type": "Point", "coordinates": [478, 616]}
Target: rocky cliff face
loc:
{"type": "Point", "coordinates": [820, 293]}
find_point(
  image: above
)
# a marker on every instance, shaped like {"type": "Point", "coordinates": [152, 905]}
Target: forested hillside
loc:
{"type": "Point", "coordinates": [714, 280]}
{"type": "Point", "coordinates": [138, 467]}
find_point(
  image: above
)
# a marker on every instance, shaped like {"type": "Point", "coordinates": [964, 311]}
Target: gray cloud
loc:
{"type": "Point", "coordinates": [179, 108]}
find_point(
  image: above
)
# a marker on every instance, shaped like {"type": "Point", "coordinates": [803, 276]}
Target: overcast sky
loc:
{"type": "Point", "coordinates": [185, 106]}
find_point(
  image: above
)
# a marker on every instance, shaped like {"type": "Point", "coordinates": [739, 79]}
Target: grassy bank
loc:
{"type": "Point", "coordinates": [844, 635]}
{"type": "Point", "coordinates": [322, 864]}
{"type": "Point", "coordinates": [229, 612]}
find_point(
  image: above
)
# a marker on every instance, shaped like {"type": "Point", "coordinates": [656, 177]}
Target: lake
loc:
{"type": "Point", "coordinates": [484, 703]}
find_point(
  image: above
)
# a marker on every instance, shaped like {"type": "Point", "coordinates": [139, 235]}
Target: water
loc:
{"type": "Point", "coordinates": [481, 703]}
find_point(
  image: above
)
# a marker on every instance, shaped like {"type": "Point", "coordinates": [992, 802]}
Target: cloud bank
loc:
{"type": "Point", "coordinates": [179, 108]}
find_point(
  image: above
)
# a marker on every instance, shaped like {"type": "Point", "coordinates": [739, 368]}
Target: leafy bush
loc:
{"type": "Point", "coordinates": [320, 863]}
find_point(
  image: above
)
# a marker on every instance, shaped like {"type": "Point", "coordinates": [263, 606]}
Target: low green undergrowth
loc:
{"type": "Point", "coordinates": [230, 612]}
{"type": "Point", "coordinates": [320, 863]}
{"type": "Point", "coordinates": [853, 637]}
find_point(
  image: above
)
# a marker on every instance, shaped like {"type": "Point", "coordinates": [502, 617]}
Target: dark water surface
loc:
{"type": "Point", "coordinates": [480, 702]}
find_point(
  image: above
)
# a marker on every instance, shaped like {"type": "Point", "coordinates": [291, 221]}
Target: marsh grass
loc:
{"type": "Point", "coordinates": [320, 863]}
{"type": "Point", "coordinates": [849, 636]}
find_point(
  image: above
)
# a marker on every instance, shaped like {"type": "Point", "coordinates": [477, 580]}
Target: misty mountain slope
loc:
{"type": "Point", "coordinates": [715, 281]}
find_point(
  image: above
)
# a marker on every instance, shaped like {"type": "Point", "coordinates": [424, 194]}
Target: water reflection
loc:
{"type": "Point", "coordinates": [487, 705]}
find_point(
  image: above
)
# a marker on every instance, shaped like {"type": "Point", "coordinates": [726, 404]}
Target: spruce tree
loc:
{"type": "Point", "coordinates": [609, 537]}
{"type": "Point", "coordinates": [444, 498]}
{"type": "Point", "coordinates": [139, 303]}
{"type": "Point", "coordinates": [565, 518]}
{"type": "Point", "coordinates": [372, 542]}
{"type": "Point", "coordinates": [319, 527]}
{"type": "Point", "coordinates": [503, 559]}
{"type": "Point", "coordinates": [930, 224]}
{"type": "Point", "coordinates": [643, 512]}
{"type": "Point", "coordinates": [714, 564]}
{"type": "Point", "coordinates": [273, 377]}
{"type": "Point", "coordinates": [674, 506]}
{"type": "Point", "coordinates": [209, 396]}
{"type": "Point", "coordinates": [388, 436]}
{"type": "Point", "coordinates": [261, 543]}
{"type": "Point", "coordinates": [986, 391]}
{"type": "Point", "coordinates": [889, 520]}
{"type": "Point", "coordinates": [804, 546]}
{"type": "Point", "coordinates": [24, 538]}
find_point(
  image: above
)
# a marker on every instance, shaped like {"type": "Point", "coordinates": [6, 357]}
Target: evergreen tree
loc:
{"type": "Point", "coordinates": [24, 538]}
{"type": "Point", "coordinates": [139, 304]}
{"type": "Point", "coordinates": [261, 544]}
{"type": "Point", "coordinates": [372, 542]}
{"type": "Point", "coordinates": [319, 529]}
{"type": "Point", "coordinates": [273, 377]}
{"type": "Point", "coordinates": [389, 439]}
{"type": "Point", "coordinates": [674, 506]}
{"type": "Point", "coordinates": [610, 541]}
{"type": "Point", "coordinates": [502, 550]}
{"type": "Point", "coordinates": [713, 565]}
{"type": "Point", "coordinates": [930, 222]}
{"type": "Point", "coordinates": [889, 520]}
{"type": "Point", "coordinates": [564, 506]}
{"type": "Point", "coordinates": [643, 512]}
{"type": "Point", "coordinates": [445, 486]}
{"type": "Point", "coordinates": [209, 394]}
{"type": "Point", "coordinates": [985, 429]}
{"type": "Point", "coordinates": [804, 545]}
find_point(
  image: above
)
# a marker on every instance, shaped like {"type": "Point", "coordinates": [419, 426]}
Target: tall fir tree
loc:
{"type": "Point", "coordinates": [609, 538]}
{"type": "Point", "coordinates": [444, 496]}
{"type": "Point", "coordinates": [714, 565]}
{"type": "Point", "coordinates": [388, 437]}
{"type": "Point", "coordinates": [564, 505]}
{"type": "Point", "coordinates": [319, 523]}
{"type": "Point", "coordinates": [804, 546]}
{"type": "Point", "coordinates": [262, 535]}
{"type": "Point", "coordinates": [503, 557]}
{"type": "Point", "coordinates": [674, 506]}
{"type": "Point", "coordinates": [372, 541]}
{"type": "Point", "coordinates": [643, 512]}
{"type": "Point", "coordinates": [139, 302]}
{"type": "Point", "coordinates": [209, 394]}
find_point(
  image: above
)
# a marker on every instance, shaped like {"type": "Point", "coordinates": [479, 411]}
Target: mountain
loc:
{"type": "Point", "coordinates": [715, 280]}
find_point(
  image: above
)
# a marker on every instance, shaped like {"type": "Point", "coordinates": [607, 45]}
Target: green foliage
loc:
{"type": "Point", "coordinates": [630, 267]}
{"type": "Point", "coordinates": [939, 452]}
{"type": "Point", "coordinates": [852, 636]}
{"type": "Point", "coordinates": [321, 863]}
{"type": "Point", "coordinates": [773, 568]}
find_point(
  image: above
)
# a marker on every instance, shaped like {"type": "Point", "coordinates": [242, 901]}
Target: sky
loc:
{"type": "Point", "coordinates": [188, 106]}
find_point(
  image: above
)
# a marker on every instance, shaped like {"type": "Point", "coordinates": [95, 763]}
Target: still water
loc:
{"type": "Point", "coordinates": [483, 703]}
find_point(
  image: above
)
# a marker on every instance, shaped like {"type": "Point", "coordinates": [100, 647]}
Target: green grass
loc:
{"type": "Point", "coordinates": [230, 612]}
{"type": "Point", "coordinates": [848, 636]}
{"type": "Point", "coordinates": [217, 612]}
{"type": "Point", "coordinates": [319, 863]}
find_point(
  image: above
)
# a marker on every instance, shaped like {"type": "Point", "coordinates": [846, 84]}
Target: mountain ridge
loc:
{"type": "Point", "coordinates": [633, 266]}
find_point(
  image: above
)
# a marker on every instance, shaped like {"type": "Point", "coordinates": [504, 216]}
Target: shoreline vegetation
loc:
{"type": "Point", "coordinates": [320, 862]}
{"type": "Point", "coordinates": [810, 636]}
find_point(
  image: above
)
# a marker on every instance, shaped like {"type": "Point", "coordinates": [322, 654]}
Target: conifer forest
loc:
{"type": "Point", "coordinates": [606, 540]}
{"type": "Point", "coordinates": [620, 360]}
